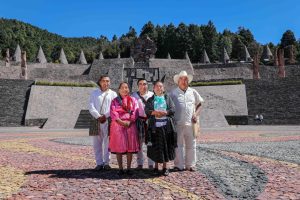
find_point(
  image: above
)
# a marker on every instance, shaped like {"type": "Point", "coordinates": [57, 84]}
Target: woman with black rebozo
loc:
{"type": "Point", "coordinates": [161, 137]}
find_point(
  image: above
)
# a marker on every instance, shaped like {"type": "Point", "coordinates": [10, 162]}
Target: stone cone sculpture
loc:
{"type": "Point", "coordinates": [41, 56]}
{"type": "Point", "coordinates": [62, 57]}
{"type": "Point", "coordinates": [82, 59]}
{"type": "Point", "coordinates": [17, 55]}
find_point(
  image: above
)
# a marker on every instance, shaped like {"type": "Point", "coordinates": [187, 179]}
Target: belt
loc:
{"type": "Point", "coordinates": [161, 120]}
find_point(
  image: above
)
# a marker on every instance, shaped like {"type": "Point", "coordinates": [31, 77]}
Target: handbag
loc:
{"type": "Point", "coordinates": [196, 126]}
{"type": "Point", "coordinates": [94, 129]}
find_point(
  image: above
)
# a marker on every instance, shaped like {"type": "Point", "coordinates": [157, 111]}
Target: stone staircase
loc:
{"type": "Point", "coordinates": [14, 95]}
{"type": "Point", "coordinates": [83, 120]}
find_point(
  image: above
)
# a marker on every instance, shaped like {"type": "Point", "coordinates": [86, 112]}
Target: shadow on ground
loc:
{"type": "Point", "coordinates": [111, 174]}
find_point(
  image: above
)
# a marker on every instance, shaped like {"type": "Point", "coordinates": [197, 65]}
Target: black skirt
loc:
{"type": "Point", "coordinates": [163, 148]}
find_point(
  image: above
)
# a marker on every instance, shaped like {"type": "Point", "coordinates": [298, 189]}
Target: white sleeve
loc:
{"type": "Point", "coordinates": [113, 96]}
{"type": "Point", "coordinates": [198, 98]}
{"type": "Point", "coordinates": [92, 108]}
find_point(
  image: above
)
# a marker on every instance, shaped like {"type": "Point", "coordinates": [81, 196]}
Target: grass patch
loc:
{"type": "Point", "coordinates": [214, 83]}
{"type": "Point", "coordinates": [65, 84]}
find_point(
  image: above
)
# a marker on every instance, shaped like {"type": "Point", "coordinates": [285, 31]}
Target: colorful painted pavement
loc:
{"type": "Point", "coordinates": [235, 163]}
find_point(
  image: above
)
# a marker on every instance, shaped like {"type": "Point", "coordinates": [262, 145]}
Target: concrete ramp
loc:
{"type": "Point", "coordinates": [211, 118]}
{"type": "Point", "coordinates": [59, 105]}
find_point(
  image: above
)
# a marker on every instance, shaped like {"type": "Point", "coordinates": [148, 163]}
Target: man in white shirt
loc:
{"type": "Point", "coordinates": [142, 95]}
{"type": "Point", "coordinates": [99, 107]}
{"type": "Point", "coordinates": [187, 103]}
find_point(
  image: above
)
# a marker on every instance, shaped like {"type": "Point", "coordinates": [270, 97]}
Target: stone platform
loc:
{"type": "Point", "coordinates": [247, 162]}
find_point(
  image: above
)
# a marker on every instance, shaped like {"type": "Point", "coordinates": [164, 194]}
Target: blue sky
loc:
{"type": "Point", "coordinates": [267, 19]}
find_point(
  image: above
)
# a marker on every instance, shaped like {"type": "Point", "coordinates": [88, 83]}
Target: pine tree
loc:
{"type": "Point", "coordinates": [210, 37]}
{"type": "Point", "coordinates": [288, 38]}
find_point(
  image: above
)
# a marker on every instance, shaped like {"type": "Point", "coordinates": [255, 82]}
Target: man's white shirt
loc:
{"type": "Point", "coordinates": [185, 103]}
{"type": "Point", "coordinates": [95, 102]}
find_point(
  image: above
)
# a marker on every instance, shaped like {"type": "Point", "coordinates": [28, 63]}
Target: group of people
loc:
{"type": "Point", "coordinates": [161, 121]}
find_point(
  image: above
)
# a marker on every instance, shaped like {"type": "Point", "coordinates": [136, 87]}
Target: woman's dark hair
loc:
{"type": "Point", "coordinates": [122, 84]}
{"type": "Point", "coordinates": [157, 82]}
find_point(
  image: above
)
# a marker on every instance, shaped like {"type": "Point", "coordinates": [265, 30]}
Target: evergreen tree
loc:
{"type": "Point", "coordinates": [210, 36]}
{"type": "Point", "coordinates": [288, 38]}
{"type": "Point", "coordinates": [149, 30]}
{"type": "Point", "coordinates": [184, 43]}
{"type": "Point", "coordinates": [197, 41]}
{"type": "Point", "coordinates": [237, 48]}
{"type": "Point", "coordinates": [224, 42]}
{"type": "Point", "coordinates": [246, 36]}
{"type": "Point", "coordinates": [160, 43]}
{"type": "Point", "coordinates": [127, 41]}
{"type": "Point", "coordinates": [170, 40]}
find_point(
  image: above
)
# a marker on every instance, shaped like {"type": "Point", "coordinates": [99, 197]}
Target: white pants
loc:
{"type": "Point", "coordinates": [100, 144]}
{"type": "Point", "coordinates": [185, 138]}
{"type": "Point", "coordinates": [140, 156]}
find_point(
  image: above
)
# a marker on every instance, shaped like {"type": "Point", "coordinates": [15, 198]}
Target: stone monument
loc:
{"type": "Point", "coordinates": [225, 56]}
{"type": "Point", "coordinates": [143, 50]}
{"type": "Point", "coordinates": [17, 56]}
{"type": "Point", "coordinates": [256, 67]}
{"type": "Point", "coordinates": [205, 58]}
{"type": "Point", "coordinates": [62, 57]}
{"type": "Point", "coordinates": [247, 55]}
{"type": "Point", "coordinates": [23, 74]}
{"type": "Point", "coordinates": [7, 60]}
{"type": "Point", "coordinates": [41, 56]}
{"type": "Point", "coordinates": [82, 59]}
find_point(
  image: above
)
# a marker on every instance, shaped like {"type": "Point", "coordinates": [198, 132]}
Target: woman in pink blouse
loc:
{"type": "Point", "coordinates": [123, 130]}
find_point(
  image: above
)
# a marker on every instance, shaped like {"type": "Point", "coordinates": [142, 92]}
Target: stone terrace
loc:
{"type": "Point", "coordinates": [249, 162]}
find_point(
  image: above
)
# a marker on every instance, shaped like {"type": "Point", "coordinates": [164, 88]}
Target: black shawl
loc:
{"type": "Point", "coordinates": [151, 118]}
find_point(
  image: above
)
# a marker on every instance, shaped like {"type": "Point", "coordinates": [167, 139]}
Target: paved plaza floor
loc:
{"type": "Point", "coordinates": [244, 162]}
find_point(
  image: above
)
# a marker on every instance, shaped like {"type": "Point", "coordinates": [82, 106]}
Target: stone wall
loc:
{"type": "Point", "coordinates": [230, 99]}
{"type": "Point", "coordinates": [59, 105]}
{"type": "Point", "coordinates": [114, 68]}
{"type": "Point", "coordinates": [222, 71]}
{"type": "Point", "coordinates": [222, 102]}
{"type": "Point", "coordinates": [271, 72]}
{"type": "Point", "coordinates": [13, 101]}
{"type": "Point", "coordinates": [277, 100]}
{"type": "Point", "coordinates": [125, 69]}
{"type": "Point", "coordinates": [47, 72]}
{"type": "Point", "coordinates": [169, 67]}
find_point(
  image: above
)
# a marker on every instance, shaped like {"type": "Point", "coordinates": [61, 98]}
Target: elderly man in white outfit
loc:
{"type": "Point", "coordinates": [99, 107]}
{"type": "Point", "coordinates": [187, 103]}
{"type": "Point", "coordinates": [142, 95]}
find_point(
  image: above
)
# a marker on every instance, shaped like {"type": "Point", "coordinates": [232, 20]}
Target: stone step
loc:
{"type": "Point", "coordinates": [83, 120]}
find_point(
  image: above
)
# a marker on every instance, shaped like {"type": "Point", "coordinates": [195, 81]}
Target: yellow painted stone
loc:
{"type": "Point", "coordinates": [11, 180]}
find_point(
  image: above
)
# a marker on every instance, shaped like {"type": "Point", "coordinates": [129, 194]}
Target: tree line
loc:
{"type": "Point", "coordinates": [175, 40]}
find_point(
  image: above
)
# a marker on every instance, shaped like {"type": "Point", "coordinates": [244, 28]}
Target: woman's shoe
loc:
{"type": "Point", "coordinates": [106, 167]}
{"type": "Point", "coordinates": [99, 168]}
{"type": "Point", "coordinates": [177, 169]}
{"type": "Point", "coordinates": [155, 171]}
{"type": "Point", "coordinates": [166, 172]}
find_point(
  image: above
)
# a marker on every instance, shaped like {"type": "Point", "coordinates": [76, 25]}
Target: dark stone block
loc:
{"type": "Point", "coordinates": [13, 101]}
{"type": "Point", "coordinates": [35, 122]}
